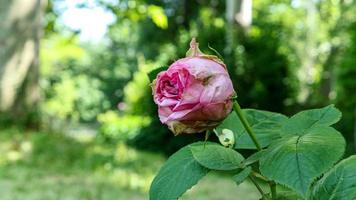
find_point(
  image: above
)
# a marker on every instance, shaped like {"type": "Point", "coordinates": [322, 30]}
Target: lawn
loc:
{"type": "Point", "coordinates": [42, 166]}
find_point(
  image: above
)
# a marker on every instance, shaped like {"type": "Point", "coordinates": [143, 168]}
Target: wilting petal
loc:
{"type": "Point", "coordinates": [163, 113]}
{"type": "Point", "coordinates": [177, 115]}
{"type": "Point", "coordinates": [168, 102]}
{"type": "Point", "coordinates": [202, 68]}
{"type": "Point", "coordinates": [192, 94]}
{"type": "Point", "coordinates": [217, 89]}
{"type": "Point", "coordinates": [189, 127]}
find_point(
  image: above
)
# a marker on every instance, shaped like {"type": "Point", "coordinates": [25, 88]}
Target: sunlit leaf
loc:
{"type": "Point", "coordinates": [304, 120]}
{"type": "Point", "coordinates": [158, 16]}
{"type": "Point", "coordinates": [215, 156]}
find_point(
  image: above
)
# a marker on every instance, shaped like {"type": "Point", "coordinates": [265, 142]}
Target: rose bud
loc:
{"type": "Point", "coordinates": [194, 94]}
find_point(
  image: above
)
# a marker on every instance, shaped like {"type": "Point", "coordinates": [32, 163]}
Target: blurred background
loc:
{"type": "Point", "coordinates": [77, 120]}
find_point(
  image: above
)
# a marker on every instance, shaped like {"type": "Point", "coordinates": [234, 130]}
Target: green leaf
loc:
{"type": "Point", "coordinates": [242, 175]}
{"type": "Point", "coordinates": [217, 157]}
{"type": "Point", "coordinates": [297, 160]}
{"type": "Point", "coordinates": [339, 183]}
{"type": "Point", "coordinates": [302, 121]}
{"type": "Point", "coordinates": [177, 175]}
{"type": "Point", "coordinates": [253, 158]}
{"type": "Point", "coordinates": [153, 74]}
{"type": "Point", "coordinates": [158, 16]}
{"type": "Point", "coordinates": [288, 196]}
{"type": "Point", "coordinates": [266, 125]}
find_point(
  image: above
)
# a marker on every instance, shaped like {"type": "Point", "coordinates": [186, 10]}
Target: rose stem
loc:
{"type": "Point", "coordinates": [252, 135]}
{"type": "Point", "coordinates": [259, 176]}
{"type": "Point", "coordinates": [245, 123]}
{"type": "Point", "coordinates": [273, 187]}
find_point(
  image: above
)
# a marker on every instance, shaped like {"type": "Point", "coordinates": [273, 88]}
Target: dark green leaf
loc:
{"type": "Point", "coordinates": [266, 125]}
{"type": "Point", "coordinates": [297, 160]}
{"type": "Point", "coordinates": [304, 120]}
{"type": "Point", "coordinates": [288, 196]}
{"type": "Point", "coordinates": [242, 175]}
{"type": "Point", "coordinates": [339, 183]}
{"type": "Point", "coordinates": [214, 156]}
{"type": "Point", "coordinates": [178, 174]}
{"type": "Point", "coordinates": [153, 74]}
{"type": "Point", "coordinates": [253, 158]}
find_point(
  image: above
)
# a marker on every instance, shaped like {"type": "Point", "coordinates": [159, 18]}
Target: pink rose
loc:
{"type": "Point", "coordinates": [194, 94]}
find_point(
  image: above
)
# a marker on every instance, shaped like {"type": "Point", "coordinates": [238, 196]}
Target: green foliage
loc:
{"type": "Point", "coordinates": [179, 173]}
{"type": "Point", "coordinates": [345, 85]}
{"type": "Point", "coordinates": [137, 90]}
{"type": "Point", "coordinates": [158, 16]}
{"type": "Point", "coordinates": [242, 175]}
{"type": "Point", "coordinates": [301, 122]}
{"type": "Point", "coordinates": [303, 157]}
{"type": "Point", "coordinates": [305, 147]}
{"type": "Point", "coordinates": [69, 93]}
{"type": "Point", "coordinates": [57, 166]}
{"type": "Point", "coordinates": [288, 195]}
{"type": "Point", "coordinates": [254, 61]}
{"type": "Point", "coordinates": [253, 158]}
{"type": "Point", "coordinates": [263, 62]}
{"type": "Point", "coordinates": [81, 82]}
{"type": "Point", "coordinates": [120, 128]}
{"type": "Point", "coordinates": [307, 150]}
{"type": "Point", "coordinates": [265, 124]}
{"type": "Point", "coordinates": [216, 157]}
{"type": "Point", "coordinates": [338, 183]}
{"type": "Point", "coordinates": [260, 67]}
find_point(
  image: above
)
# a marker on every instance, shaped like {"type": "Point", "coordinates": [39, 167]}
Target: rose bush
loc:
{"type": "Point", "coordinates": [194, 94]}
{"type": "Point", "coordinates": [296, 156]}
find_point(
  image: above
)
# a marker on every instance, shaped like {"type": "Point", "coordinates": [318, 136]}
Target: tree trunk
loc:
{"type": "Point", "coordinates": [239, 18]}
{"type": "Point", "coordinates": [19, 67]}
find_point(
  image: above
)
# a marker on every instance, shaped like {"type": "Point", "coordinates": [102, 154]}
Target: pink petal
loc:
{"type": "Point", "coordinates": [168, 102]}
{"type": "Point", "coordinates": [218, 89]}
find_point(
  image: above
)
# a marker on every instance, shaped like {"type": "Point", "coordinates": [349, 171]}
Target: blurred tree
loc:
{"type": "Point", "coordinates": [73, 81]}
{"type": "Point", "coordinates": [261, 68]}
{"type": "Point", "coordinates": [19, 71]}
{"type": "Point", "coordinates": [346, 89]}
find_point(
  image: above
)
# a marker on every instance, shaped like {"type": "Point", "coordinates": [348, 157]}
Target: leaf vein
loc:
{"type": "Point", "coordinates": [298, 163]}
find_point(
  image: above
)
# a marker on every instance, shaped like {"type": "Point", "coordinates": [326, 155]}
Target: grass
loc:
{"type": "Point", "coordinates": [42, 166]}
